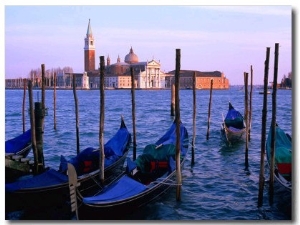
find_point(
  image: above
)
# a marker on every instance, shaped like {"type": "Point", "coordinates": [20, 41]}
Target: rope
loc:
{"type": "Point", "coordinates": [193, 145]}
{"type": "Point", "coordinates": [96, 182]}
{"type": "Point", "coordinates": [169, 182]}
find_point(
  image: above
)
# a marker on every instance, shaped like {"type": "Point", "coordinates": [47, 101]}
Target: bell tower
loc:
{"type": "Point", "coordinates": [89, 50]}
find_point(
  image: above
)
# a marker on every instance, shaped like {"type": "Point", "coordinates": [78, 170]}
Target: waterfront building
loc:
{"type": "Point", "coordinates": [85, 81]}
{"type": "Point", "coordinates": [146, 74]}
{"type": "Point", "coordinates": [203, 79]}
{"type": "Point", "coordinates": [14, 83]}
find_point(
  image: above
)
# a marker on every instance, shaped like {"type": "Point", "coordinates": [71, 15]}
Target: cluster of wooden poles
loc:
{"type": "Point", "coordinates": [273, 126]}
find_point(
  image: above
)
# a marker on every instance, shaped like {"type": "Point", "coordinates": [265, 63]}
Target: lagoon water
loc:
{"type": "Point", "coordinates": [217, 187]}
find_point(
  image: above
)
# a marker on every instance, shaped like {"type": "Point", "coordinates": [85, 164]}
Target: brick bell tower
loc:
{"type": "Point", "coordinates": [89, 50]}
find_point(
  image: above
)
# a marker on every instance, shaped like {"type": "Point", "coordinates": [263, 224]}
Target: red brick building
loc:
{"type": "Point", "coordinates": [203, 79]}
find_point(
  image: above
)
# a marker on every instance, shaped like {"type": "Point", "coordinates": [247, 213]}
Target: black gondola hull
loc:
{"type": "Point", "coordinates": [119, 210]}
{"type": "Point", "coordinates": [58, 195]}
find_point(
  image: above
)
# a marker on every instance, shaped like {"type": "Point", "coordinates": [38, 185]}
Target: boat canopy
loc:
{"type": "Point", "coordinates": [46, 179]}
{"type": "Point", "coordinates": [122, 189]}
{"type": "Point", "coordinates": [283, 150]}
{"type": "Point", "coordinates": [234, 119]}
{"type": "Point", "coordinates": [18, 143]}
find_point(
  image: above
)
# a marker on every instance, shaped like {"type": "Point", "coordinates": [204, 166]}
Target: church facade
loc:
{"type": "Point", "coordinates": [146, 74]}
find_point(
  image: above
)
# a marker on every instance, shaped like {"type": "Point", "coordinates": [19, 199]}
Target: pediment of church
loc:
{"type": "Point", "coordinates": [153, 63]}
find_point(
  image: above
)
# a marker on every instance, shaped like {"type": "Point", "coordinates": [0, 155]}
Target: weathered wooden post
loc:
{"type": "Point", "coordinates": [172, 100]}
{"type": "Point", "coordinates": [194, 119]}
{"type": "Point", "coordinates": [54, 100]}
{"type": "Point", "coordinates": [209, 108]}
{"type": "Point", "coordinates": [250, 109]}
{"type": "Point", "coordinates": [101, 127]}
{"type": "Point", "coordinates": [246, 113]}
{"type": "Point", "coordinates": [263, 132]}
{"type": "Point", "coordinates": [177, 120]}
{"type": "Point", "coordinates": [76, 113]}
{"type": "Point", "coordinates": [133, 112]}
{"type": "Point", "coordinates": [39, 118]}
{"type": "Point", "coordinates": [23, 106]}
{"type": "Point", "coordinates": [273, 125]}
{"type": "Point", "coordinates": [43, 91]}
{"type": "Point", "coordinates": [32, 124]}
{"type": "Point", "coordinates": [37, 115]}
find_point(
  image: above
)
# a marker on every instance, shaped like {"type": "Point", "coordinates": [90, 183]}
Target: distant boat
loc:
{"type": "Point", "coordinates": [262, 92]}
{"type": "Point", "coordinates": [233, 126]}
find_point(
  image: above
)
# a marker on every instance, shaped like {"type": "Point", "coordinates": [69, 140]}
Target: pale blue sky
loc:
{"type": "Point", "coordinates": [225, 38]}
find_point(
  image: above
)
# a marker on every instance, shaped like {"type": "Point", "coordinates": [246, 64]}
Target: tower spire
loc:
{"type": "Point", "coordinates": [89, 50]}
{"type": "Point", "coordinates": [89, 32]}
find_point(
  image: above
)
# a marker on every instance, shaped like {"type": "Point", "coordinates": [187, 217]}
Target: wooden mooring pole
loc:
{"type": "Point", "coordinates": [76, 114]}
{"type": "Point", "coordinates": [54, 100]}
{"type": "Point", "coordinates": [194, 119]}
{"type": "Point", "coordinates": [39, 118]}
{"type": "Point", "coordinates": [43, 92]}
{"type": "Point", "coordinates": [133, 112]}
{"type": "Point", "coordinates": [263, 132]}
{"type": "Point", "coordinates": [250, 109]}
{"type": "Point", "coordinates": [23, 106]}
{"type": "Point", "coordinates": [177, 120]}
{"type": "Point", "coordinates": [36, 122]}
{"type": "Point", "coordinates": [101, 127]}
{"type": "Point", "coordinates": [273, 126]}
{"type": "Point", "coordinates": [209, 108]}
{"type": "Point", "coordinates": [172, 100]}
{"type": "Point", "coordinates": [246, 113]}
{"type": "Point", "coordinates": [32, 124]}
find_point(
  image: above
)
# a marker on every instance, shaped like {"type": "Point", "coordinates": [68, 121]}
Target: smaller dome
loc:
{"type": "Point", "coordinates": [131, 57]}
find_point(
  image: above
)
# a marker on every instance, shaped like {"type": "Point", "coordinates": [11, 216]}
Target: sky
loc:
{"type": "Point", "coordinates": [225, 38]}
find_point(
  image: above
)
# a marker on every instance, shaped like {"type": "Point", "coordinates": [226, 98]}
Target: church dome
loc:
{"type": "Point", "coordinates": [131, 57]}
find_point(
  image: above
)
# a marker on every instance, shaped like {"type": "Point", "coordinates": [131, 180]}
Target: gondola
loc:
{"type": "Point", "coordinates": [151, 175]}
{"type": "Point", "coordinates": [16, 151]}
{"type": "Point", "coordinates": [20, 145]}
{"type": "Point", "coordinates": [283, 157]}
{"type": "Point", "coordinates": [51, 186]}
{"type": "Point", "coordinates": [233, 126]}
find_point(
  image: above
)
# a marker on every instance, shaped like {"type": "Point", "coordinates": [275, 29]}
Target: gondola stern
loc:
{"type": "Point", "coordinates": [230, 105]}
{"type": "Point", "coordinates": [123, 125]}
{"type": "Point", "coordinates": [73, 184]}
